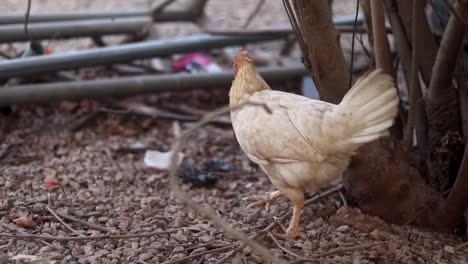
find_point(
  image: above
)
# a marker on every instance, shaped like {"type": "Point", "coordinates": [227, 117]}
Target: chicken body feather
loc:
{"type": "Point", "coordinates": [304, 144]}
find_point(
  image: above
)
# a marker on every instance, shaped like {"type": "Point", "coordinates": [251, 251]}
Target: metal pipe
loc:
{"type": "Point", "coordinates": [122, 53]}
{"type": "Point", "coordinates": [70, 29]}
{"type": "Point", "coordinates": [129, 86]}
{"type": "Point", "coordinates": [192, 11]}
{"type": "Point", "coordinates": [347, 20]}
{"type": "Point", "coordinates": [165, 16]}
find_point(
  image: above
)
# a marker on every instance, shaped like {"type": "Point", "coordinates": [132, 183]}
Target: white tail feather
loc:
{"type": "Point", "coordinates": [372, 102]}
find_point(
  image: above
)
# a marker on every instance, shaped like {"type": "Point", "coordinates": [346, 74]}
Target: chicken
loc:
{"type": "Point", "coordinates": [304, 144]}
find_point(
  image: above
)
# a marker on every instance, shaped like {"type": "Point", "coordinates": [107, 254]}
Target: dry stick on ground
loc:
{"type": "Point", "coordinates": [336, 251]}
{"type": "Point", "coordinates": [425, 207]}
{"type": "Point", "coordinates": [24, 233]}
{"type": "Point", "coordinates": [283, 248]}
{"type": "Point", "coordinates": [270, 227]}
{"type": "Point", "coordinates": [90, 225]}
{"type": "Point", "coordinates": [254, 13]}
{"type": "Point", "coordinates": [461, 246]}
{"type": "Point", "coordinates": [201, 254]}
{"type": "Point", "coordinates": [325, 254]}
{"type": "Point", "coordinates": [142, 109]}
{"type": "Point", "coordinates": [63, 222]}
{"type": "Point", "coordinates": [205, 211]}
{"type": "Point", "coordinates": [83, 238]}
{"type": "Point", "coordinates": [192, 248]}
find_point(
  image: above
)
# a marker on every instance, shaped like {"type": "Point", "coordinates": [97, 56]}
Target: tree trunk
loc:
{"type": "Point", "coordinates": [405, 53]}
{"type": "Point", "coordinates": [427, 52]}
{"type": "Point", "coordinates": [445, 141]}
{"type": "Point", "coordinates": [324, 49]}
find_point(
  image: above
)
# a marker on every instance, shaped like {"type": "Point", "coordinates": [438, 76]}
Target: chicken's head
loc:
{"type": "Point", "coordinates": [241, 59]}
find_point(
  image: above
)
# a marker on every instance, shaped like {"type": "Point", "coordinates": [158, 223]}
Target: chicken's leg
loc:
{"type": "Point", "coordinates": [297, 199]}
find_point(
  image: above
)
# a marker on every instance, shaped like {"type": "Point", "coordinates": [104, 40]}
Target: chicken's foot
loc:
{"type": "Point", "coordinates": [294, 229]}
{"type": "Point", "coordinates": [262, 200]}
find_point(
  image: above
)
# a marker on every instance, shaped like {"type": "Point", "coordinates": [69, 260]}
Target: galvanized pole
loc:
{"type": "Point", "coordinates": [122, 53]}
{"type": "Point", "coordinates": [129, 86]}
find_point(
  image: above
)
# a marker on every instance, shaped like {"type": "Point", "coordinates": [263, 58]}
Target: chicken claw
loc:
{"type": "Point", "coordinates": [294, 235]}
{"type": "Point", "coordinates": [262, 200]}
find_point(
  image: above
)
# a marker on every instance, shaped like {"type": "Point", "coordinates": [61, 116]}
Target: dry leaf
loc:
{"type": "Point", "coordinates": [24, 222]}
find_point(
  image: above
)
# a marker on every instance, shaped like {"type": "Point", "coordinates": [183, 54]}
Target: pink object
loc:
{"type": "Point", "coordinates": [195, 62]}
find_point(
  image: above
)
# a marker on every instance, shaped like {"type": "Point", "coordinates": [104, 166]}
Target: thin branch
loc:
{"type": "Point", "coordinates": [185, 259]}
{"type": "Point", "coordinates": [455, 12]}
{"type": "Point", "coordinates": [461, 246]}
{"type": "Point", "coordinates": [343, 199]}
{"type": "Point", "coordinates": [351, 69]}
{"type": "Point", "coordinates": [157, 8]}
{"type": "Point", "coordinates": [285, 249]}
{"type": "Point", "coordinates": [414, 92]}
{"type": "Point", "coordinates": [24, 233]}
{"type": "Point", "coordinates": [254, 13]}
{"type": "Point", "coordinates": [90, 225]}
{"type": "Point", "coordinates": [83, 238]}
{"type": "Point", "coordinates": [381, 46]}
{"type": "Point", "coordinates": [300, 37]}
{"type": "Point", "coordinates": [141, 109]}
{"type": "Point", "coordinates": [424, 208]}
{"type": "Point", "coordinates": [63, 222]}
{"type": "Point", "coordinates": [336, 251]}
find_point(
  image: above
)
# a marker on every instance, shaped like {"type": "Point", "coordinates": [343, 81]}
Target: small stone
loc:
{"type": "Point", "coordinates": [449, 249]}
{"type": "Point", "coordinates": [375, 234]}
{"type": "Point", "coordinates": [342, 228]}
{"type": "Point", "coordinates": [179, 237]}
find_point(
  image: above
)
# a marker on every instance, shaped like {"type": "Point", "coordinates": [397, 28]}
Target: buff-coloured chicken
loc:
{"type": "Point", "coordinates": [304, 144]}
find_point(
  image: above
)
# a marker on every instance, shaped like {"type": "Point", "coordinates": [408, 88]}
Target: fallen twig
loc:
{"type": "Point", "coordinates": [64, 238]}
{"type": "Point", "coordinates": [63, 222]}
{"type": "Point", "coordinates": [90, 225]}
{"type": "Point", "coordinates": [461, 246]}
{"type": "Point", "coordinates": [142, 109]}
{"type": "Point", "coordinates": [22, 232]}
{"type": "Point", "coordinates": [283, 248]}
{"type": "Point", "coordinates": [193, 247]}
{"type": "Point", "coordinates": [337, 251]}
{"type": "Point", "coordinates": [343, 199]}
{"type": "Point", "coordinates": [183, 260]}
